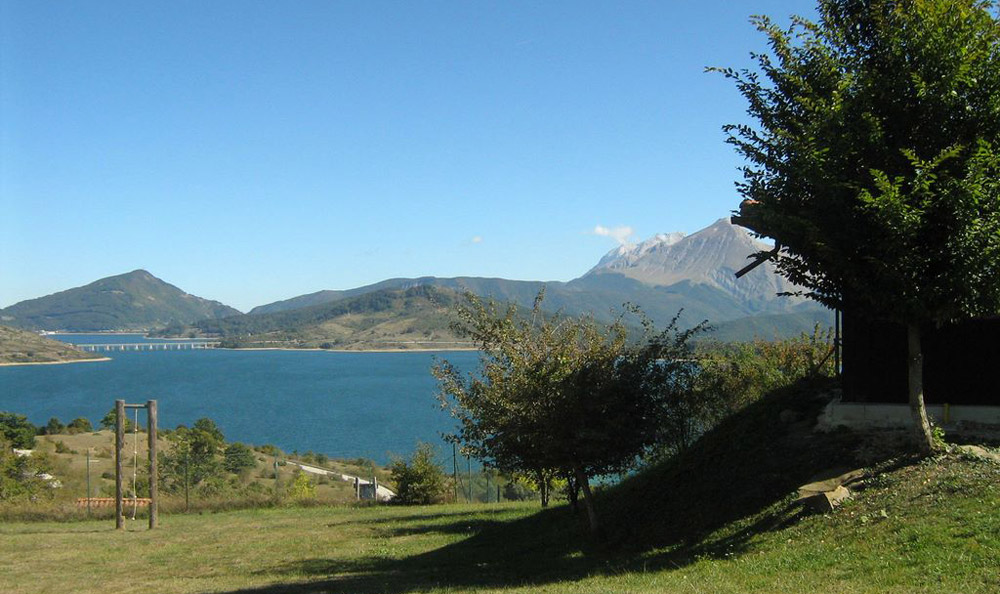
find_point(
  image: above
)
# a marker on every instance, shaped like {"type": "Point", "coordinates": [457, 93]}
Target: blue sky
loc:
{"type": "Point", "coordinates": [253, 151]}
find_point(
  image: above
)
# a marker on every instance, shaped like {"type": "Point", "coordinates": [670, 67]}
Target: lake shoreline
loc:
{"type": "Point", "coordinates": [16, 364]}
{"type": "Point", "coordinates": [317, 349]}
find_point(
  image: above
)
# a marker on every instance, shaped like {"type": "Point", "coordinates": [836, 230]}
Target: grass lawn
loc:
{"type": "Point", "coordinates": [720, 517]}
{"type": "Point", "coordinates": [925, 527]}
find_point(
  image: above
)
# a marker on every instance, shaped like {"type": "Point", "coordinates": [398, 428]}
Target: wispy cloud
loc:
{"type": "Point", "coordinates": [620, 234]}
{"type": "Point", "coordinates": [477, 239]}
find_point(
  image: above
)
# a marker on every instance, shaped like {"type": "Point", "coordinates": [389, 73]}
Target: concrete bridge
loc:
{"type": "Point", "coordinates": [147, 346]}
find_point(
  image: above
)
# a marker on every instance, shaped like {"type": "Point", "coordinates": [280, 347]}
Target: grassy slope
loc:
{"type": "Point", "coordinates": [415, 317]}
{"type": "Point", "coordinates": [22, 346]}
{"type": "Point", "coordinates": [719, 519]}
{"type": "Point", "coordinates": [70, 468]}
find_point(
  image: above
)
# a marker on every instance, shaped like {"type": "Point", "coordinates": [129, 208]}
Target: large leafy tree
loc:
{"type": "Point", "coordinates": [873, 161]}
{"type": "Point", "coordinates": [562, 396]}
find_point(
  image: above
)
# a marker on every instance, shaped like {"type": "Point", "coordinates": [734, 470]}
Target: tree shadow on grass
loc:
{"type": "Point", "coordinates": [709, 502]}
{"type": "Point", "coordinates": [542, 548]}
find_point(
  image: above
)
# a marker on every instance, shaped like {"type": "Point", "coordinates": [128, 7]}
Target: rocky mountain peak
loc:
{"type": "Point", "coordinates": [710, 256]}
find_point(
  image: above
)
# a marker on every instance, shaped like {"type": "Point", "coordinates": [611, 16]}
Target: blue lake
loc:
{"type": "Point", "coordinates": [342, 404]}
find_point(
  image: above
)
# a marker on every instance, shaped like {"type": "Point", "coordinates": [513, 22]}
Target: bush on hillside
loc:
{"type": "Point", "coordinates": [732, 376]}
{"type": "Point", "coordinates": [238, 457]}
{"type": "Point", "coordinates": [80, 425]}
{"type": "Point", "coordinates": [419, 481]}
{"type": "Point", "coordinates": [54, 427]}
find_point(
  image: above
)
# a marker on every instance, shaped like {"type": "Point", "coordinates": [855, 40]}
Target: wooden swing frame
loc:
{"type": "Point", "coordinates": [120, 407]}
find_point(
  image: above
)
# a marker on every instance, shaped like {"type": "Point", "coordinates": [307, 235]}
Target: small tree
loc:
{"type": "Point", "coordinates": [80, 425]}
{"type": "Point", "coordinates": [54, 427]}
{"type": "Point", "coordinates": [108, 421]}
{"type": "Point", "coordinates": [194, 457]}
{"type": "Point", "coordinates": [302, 487]}
{"type": "Point", "coordinates": [562, 396]}
{"type": "Point", "coordinates": [874, 163]}
{"type": "Point", "coordinates": [419, 481]}
{"type": "Point", "coordinates": [17, 431]}
{"type": "Point", "coordinates": [238, 457]}
{"type": "Point", "coordinates": [19, 474]}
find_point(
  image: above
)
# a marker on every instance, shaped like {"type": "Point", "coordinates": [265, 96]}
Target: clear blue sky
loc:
{"type": "Point", "coordinates": [253, 151]}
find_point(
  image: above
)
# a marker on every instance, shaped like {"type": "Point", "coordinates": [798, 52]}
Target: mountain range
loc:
{"type": "Point", "coordinates": [663, 275]}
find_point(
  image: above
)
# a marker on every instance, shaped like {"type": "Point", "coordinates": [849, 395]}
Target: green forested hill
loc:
{"type": "Point", "coordinates": [133, 301]}
{"type": "Point", "coordinates": [418, 317]}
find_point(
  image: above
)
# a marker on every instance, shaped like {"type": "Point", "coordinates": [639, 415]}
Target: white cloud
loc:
{"type": "Point", "coordinates": [620, 234]}
{"type": "Point", "coordinates": [477, 239]}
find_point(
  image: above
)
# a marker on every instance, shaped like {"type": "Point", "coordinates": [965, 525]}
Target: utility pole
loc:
{"type": "Point", "coordinates": [454, 467]}
{"type": "Point", "coordinates": [88, 482]}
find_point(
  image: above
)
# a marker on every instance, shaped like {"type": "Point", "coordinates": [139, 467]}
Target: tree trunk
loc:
{"type": "Point", "coordinates": [543, 488]}
{"type": "Point", "coordinates": [573, 492]}
{"type": "Point", "coordinates": [921, 426]}
{"type": "Point", "coordinates": [588, 501]}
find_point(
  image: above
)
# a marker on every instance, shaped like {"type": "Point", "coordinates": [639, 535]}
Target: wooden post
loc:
{"type": "Point", "coordinates": [119, 444]}
{"type": "Point", "coordinates": [88, 482]}
{"type": "Point", "coordinates": [153, 488]}
{"type": "Point", "coordinates": [454, 467]}
{"type": "Point", "coordinates": [836, 342]}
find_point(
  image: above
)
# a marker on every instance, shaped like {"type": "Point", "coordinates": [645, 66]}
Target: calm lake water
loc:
{"type": "Point", "coordinates": [343, 404]}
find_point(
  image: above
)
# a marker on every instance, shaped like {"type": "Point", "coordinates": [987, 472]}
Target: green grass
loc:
{"type": "Point", "coordinates": [69, 467]}
{"type": "Point", "coordinates": [719, 518]}
{"type": "Point", "coordinates": [930, 527]}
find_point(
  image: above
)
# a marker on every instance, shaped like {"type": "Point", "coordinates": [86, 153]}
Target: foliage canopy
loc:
{"type": "Point", "coordinates": [562, 396]}
{"type": "Point", "coordinates": [17, 431]}
{"type": "Point", "coordinates": [874, 162]}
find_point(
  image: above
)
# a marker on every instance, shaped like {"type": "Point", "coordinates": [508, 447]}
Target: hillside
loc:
{"type": "Point", "coordinates": [23, 346]}
{"type": "Point", "coordinates": [418, 317]}
{"type": "Point", "coordinates": [133, 301]}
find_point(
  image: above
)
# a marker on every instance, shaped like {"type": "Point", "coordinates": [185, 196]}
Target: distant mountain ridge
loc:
{"type": "Point", "coordinates": [663, 275]}
{"type": "Point", "coordinates": [133, 301]}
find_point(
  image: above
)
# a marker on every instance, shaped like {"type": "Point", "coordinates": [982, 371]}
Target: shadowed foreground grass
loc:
{"type": "Point", "coordinates": [718, 518]}
{"type": "Point", "coordinates": [928, 527]}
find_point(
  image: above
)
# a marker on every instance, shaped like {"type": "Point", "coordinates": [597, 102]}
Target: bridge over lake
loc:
{"type": "Point", "coordinates": [147, 346]}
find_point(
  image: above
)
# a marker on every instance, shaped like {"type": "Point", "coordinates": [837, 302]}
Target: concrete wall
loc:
{"type": "Point", "coordinates": [962, 419]}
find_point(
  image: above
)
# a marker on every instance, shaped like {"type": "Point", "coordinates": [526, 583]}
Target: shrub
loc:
{"type": "Point", "coordinates": [80, 425]}
{"type": "Point", "coordinates": [54, 427]}
{"type": "Point", "coordinates": [302, 487]}
{"type": "Point", "coordinates": [419, 481]}
{"type": "Point", "coordinates": [238, 457]}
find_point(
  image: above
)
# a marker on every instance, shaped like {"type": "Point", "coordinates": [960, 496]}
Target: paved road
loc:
{"type": "Point", "coordinates": [383, 493]}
